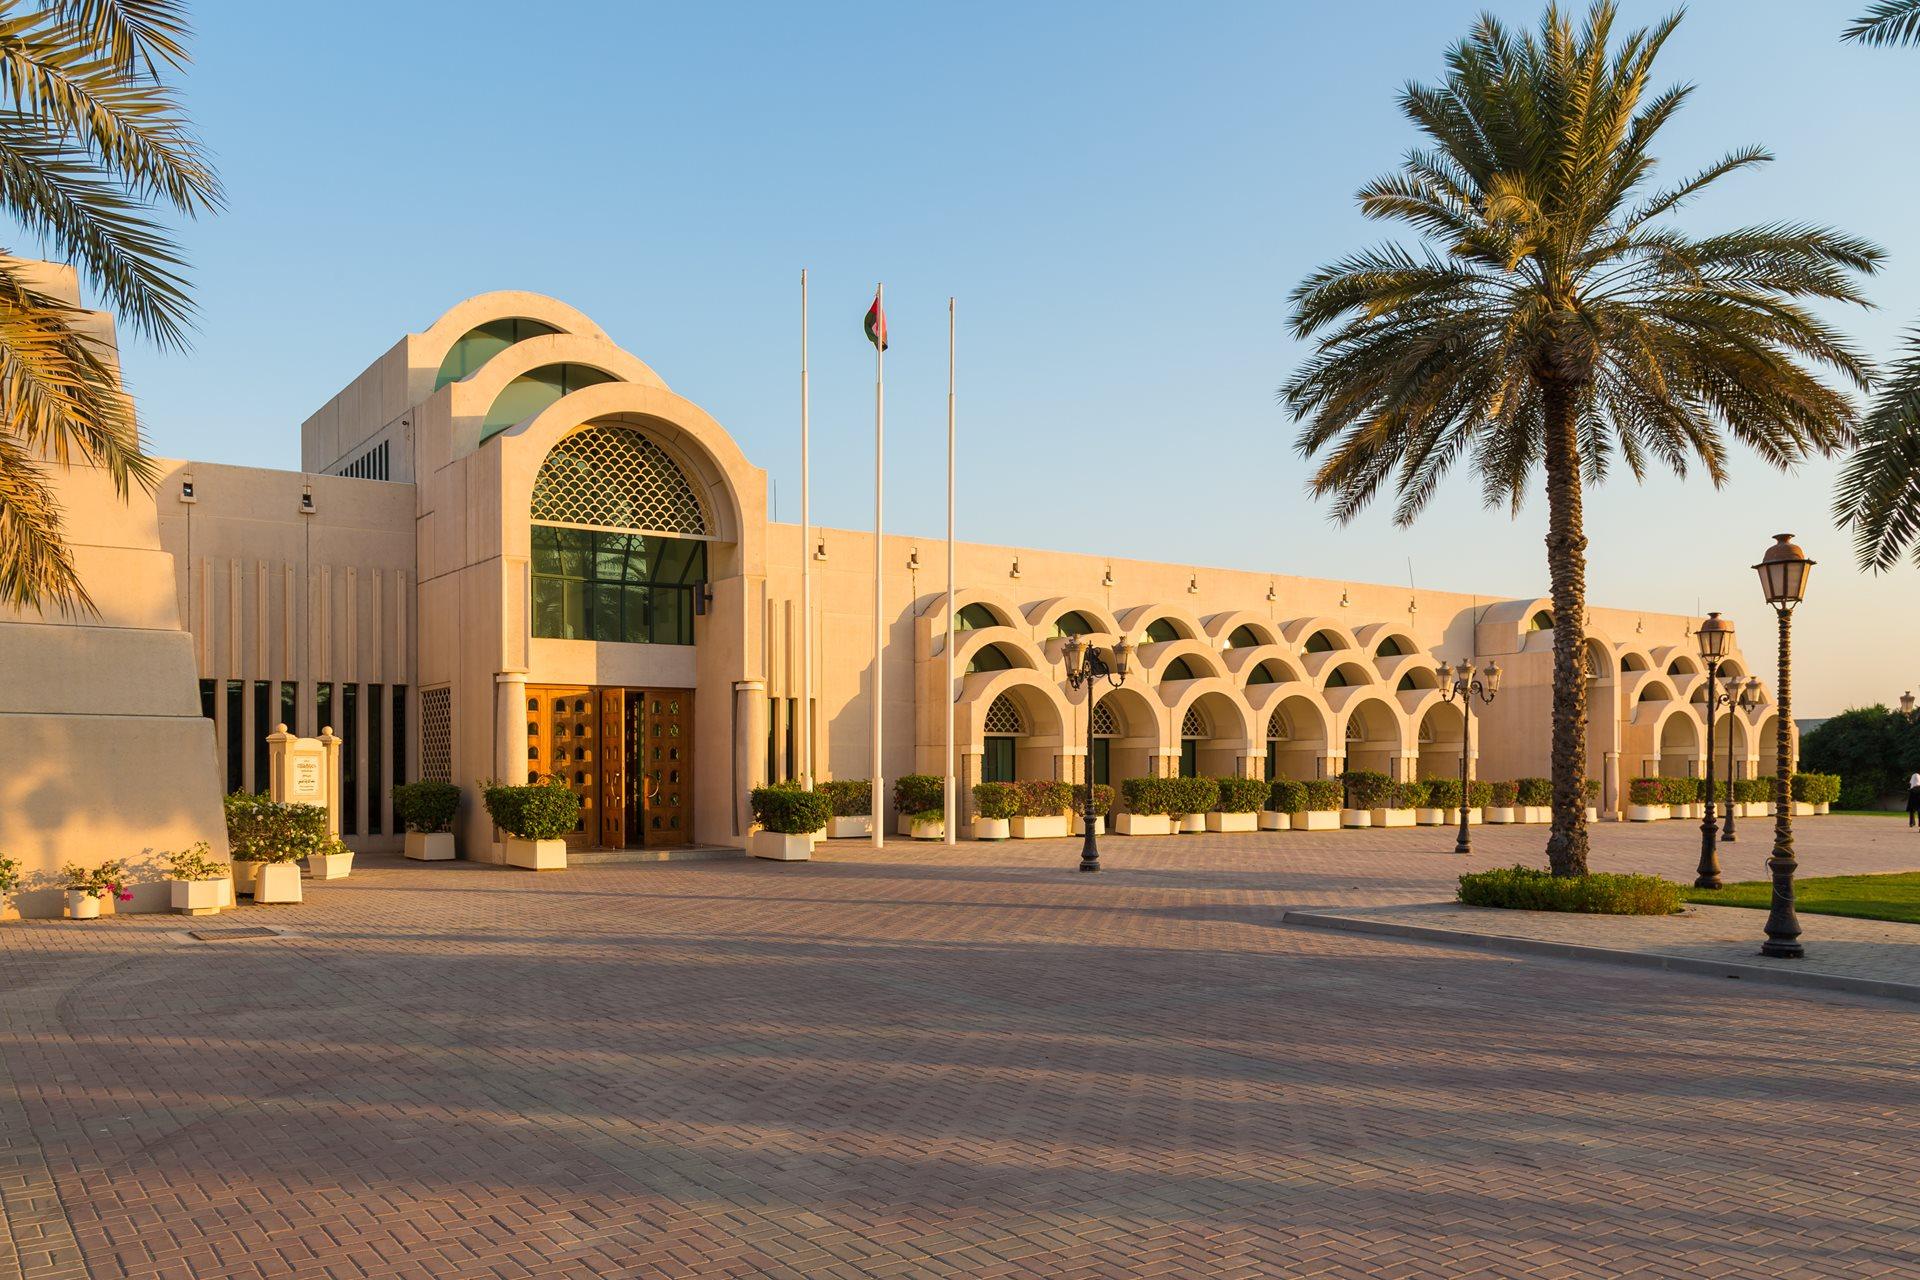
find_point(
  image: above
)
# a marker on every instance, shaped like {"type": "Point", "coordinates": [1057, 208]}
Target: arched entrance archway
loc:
{"type": "Point", "coordinates": [1443, 737]}
{"type": "Point", "coordinates": [1679, 746]}
{"type": "Point", "coordinates": [1372, 736]}
{"type": "Point", "coordinates": [1296, 732]}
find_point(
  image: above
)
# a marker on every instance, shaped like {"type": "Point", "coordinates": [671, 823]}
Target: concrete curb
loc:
{"type": "Point", "coordinates": [1777, 974]}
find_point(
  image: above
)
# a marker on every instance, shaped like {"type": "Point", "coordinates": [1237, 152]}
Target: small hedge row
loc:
{"type": "Point", "coordinates": [1602, 893]}
{"type": "Point", "coordinates": [1171, 796]}
{"type": "Point", "coordinates": [789, 809]}
{"type": "Point", "coordinates": [1808, 788]}
{"type": "Point", "coordinates": [426, 806]}
{"type": "Point", "coordinates": [850, 797]}
{"type": "Point", "coordinates": [1318, 795]}
{"type": "Point", "coordinates": [921, 797]}
{"type": "Point", "coordinates": [544, 810]}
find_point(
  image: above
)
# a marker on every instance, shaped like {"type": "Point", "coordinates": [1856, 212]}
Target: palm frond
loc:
{"type": "Point", "coordinates": [1878, 494]}
{"type": "Point", "coordinates": [1887, 22]}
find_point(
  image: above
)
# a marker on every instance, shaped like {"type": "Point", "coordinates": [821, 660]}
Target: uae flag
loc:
{"type": "Point", "coordinates": [877, 324]}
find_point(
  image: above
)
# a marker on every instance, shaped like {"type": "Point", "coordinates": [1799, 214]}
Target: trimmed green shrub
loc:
{"type": "Point", "coordinates": [1366, 788]}
{"type": "Point", "coordinates": [1443, 793]}
{"type": "Point", "coordinates": [789, 810]}
{"type": "Point", "coordinates": [1590, 787]}
{"type": "Point", "coordinates": [850, 797]}
{"type": "Point", "coordinates": [1324, 795]}
{"type": "Point", "coordinates": [1533, 792]}
{"type": "Point", "coordinates": [918, 793]}
{"type": "Point", "coordinates": [1043, 799]}
{"type": "Point", "coordinates": [1816, 788]}
{"type": "Point", "coordinates": [1408, 795]}
{"type": "Point", "coordinates": [1102, 799]}
{"type": "Point", "coordinates": [426, 806]}
{"type": "Point", "coordinates": [263, 830]}
{"type": "Point", "coordinates": [1239, 795]}
{"type": "Point", "coordinates": [1195, 795]}
{"type": "Point", "coordinates": [1479, 794]}
{"type": "Point", "coordinates": [543, 810]}
{"type": "Point", "coordinates": [996, 800]}
{"type": "Point", "coordinates": [1504, 795]}
{"type": "Point", "coordinates": [1682, 790]}
{"type": "Point", "coordinates": [1151, 795]}
{"type": "Point", "coordinates": [1602, 893]}
{"type": "Point", "coordinates": [1284, 795]}
{"type": "Point", "coordinates": [1644, 791]}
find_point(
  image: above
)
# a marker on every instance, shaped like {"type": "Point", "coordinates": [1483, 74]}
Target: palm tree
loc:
{"type": "Point", "coordinates": [1879, 490]}
{"type": "Point", "coordinates": [91, 143]}
{"type": "Point", "coordinates": [1556, 319]}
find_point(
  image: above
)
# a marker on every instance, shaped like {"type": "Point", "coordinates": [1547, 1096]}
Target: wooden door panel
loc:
{"type": "Point", "coordinates": [564, 742]}
{"type": "Point", "coordinates": [667, 753]}
{"type": "Point", "coordinates": [613, 766]}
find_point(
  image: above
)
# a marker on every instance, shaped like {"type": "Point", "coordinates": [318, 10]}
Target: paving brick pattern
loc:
{"type": "Point", "coordinates": [917, 1062]}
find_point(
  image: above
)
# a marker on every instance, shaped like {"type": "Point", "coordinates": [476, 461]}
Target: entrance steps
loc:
{"type": "Point", "coordinates": [682, 853]}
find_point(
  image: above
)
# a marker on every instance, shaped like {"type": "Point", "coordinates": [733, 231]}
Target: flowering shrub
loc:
{"type": "Point", "coordinates": [850, 797]}
{"type": "Point", "coordinates": [263, 830]}
{"type": "Point", "coordinates": [996, 800]}
{"type": "Point", "coordinates": [195, 862]}
{"type": "Point", "coordinates": [1284, 795]}
{"type": "Point", "coordinates": [1043, 799]}
{"type": "Point", "coordinates": [1504, 794]}
{"type": "Point", "coordinates": [1644, 791]}
{"type": "Point", "coordinates": [107, 878]}
{"type": "Point", "coordinates": [1239, 795]}
{"type": "Point", "coordinates": [1533, 791]}
{"type": "Point", "coordinates": [1102, 799]}
{"type": "Point", "coordinates": [920, 793]}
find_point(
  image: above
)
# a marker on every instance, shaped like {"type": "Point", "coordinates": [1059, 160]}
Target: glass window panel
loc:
{"type": "Point", "coordinates": [606, 605]}
{"type": "Point", "coordinates": [236, 733]}
{"type": "Point", "coordinates": [376, 742]}
{"type": "Point", "coordinates": [546, 549]}
{"type": "Point", "coordinates": [262, 726]}
{"type": "Point", "coordinates": [549, 607]}
{"type": "Point", "coordinates": [639, 626]}
{"type": "Point", "coordinates": [349, 763]}
{"type": "Point", "coordinates": [399, 734]}
{"type": "Point", "coordinates": [672, 615]}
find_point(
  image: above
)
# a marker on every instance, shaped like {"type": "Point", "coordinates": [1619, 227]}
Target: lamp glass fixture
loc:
{"type": "Point", "coordinates": [1491, 677]}
{"type": "Point", "coordinates": [1122, 655]}
{"type": "Point", "coordinates": [1784, 571]}
{"type": "Point", "coordinates": [1076, 655]}
{"type": "Point", "coordinates": [1714, 635]}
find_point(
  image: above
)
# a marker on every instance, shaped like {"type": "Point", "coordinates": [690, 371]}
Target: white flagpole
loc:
{"type": "Point", "coordinates": [806, 561]}
{"type": "Point", "coordinates": [952, 801]}
{"type": "Point", "coordinates": [879, 625]}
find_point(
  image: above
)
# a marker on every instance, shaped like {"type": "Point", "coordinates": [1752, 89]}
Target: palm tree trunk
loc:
{"type": "Point", "coordinates": [1567, 571]}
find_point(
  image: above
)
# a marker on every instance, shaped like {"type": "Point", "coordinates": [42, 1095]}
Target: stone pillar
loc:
{"type": "Point", "coordinates": [510, 725]}
{"type": "Point", "coordinates": [1400, 766]}
{"type": "Point", "coordinates": [330, 746]}
{"type": "Point", "coordinates": [1610, 787]}
{"type": "Point", "coordinates": [750, 750]}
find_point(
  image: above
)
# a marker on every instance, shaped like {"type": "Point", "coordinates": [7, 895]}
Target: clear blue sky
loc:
{"type": "Point", "coordinates": [1121, 196]}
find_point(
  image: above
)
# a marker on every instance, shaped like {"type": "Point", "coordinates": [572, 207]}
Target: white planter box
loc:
{"type": "Point", "coordinates": [1453, 818]}
{"type": "Point", "coordinates": [1051, 827]}
{"type": "Point", "coordinates": [902, 825]}
{"type": "Point", "coordinates": [1217, 821]}
{"type": "Point", "coordinates": [857, 827]}
{"type": "Point", "coordinates": [82, 905]}
{"type": "Point", "coordinates": [1076, 827]}
{"type": "Point", "coordinates": [992, 828]}
{"type": "Point", "coordinates": [1593, 814]}
{"type": "Point", "coordinates": [226, 889]}
{"type": "Point", "coordinates": [1315, 820]}
{"type": "Point", "coordinates": [1391, 817]}
{"type": "Point", "coordinates": [1648, 812]}
{"type": "Point", "coordinates": [776, 846]}
{"type": "Point", "coordinates": [1271, 821]}
{"type": "Point", "coordinates": [1356, 817]}
{"type": "Point", "coordinates": [196, 897]}
{"type": "Point", "coordinates": [935, 830]}
{"type": "Point", "coordinates": [330, 866]}
{"type": "Point", "coordinates": [538, 855]}
{"type": "Point", "coordinates": [430, 846]}
{"type": "Point", "coordinates": [277, 882]}
{"type": "Point", "coordinates": [1801, 809]}
{"type": "Point", "coordinates": [1536, 813]}
{"type": "Point", "coordinates": [1143, 824]}
{"type": "Point", "coordinates": [1191, 823]}
{"type": "Point", "coordinates": [1501, 814]}
{"type": "Point", "coordinates": [1430, 817]}
{"type": "Point", "coordinates": [1762, 810]}
{"type": "Point", "coordinates": [243, 873]}
{"type": "Point", "coordinates": [1823, 807]}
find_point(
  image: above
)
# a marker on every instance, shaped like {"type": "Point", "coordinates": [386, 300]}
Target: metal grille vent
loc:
{"type": "Point", "coordinates": [1194, 726]}
{"type": "Point", "coordinates": [1105, 723]}
{"type": "Point", "coordinates": [615, 478]}
{"type": "Point", "coordinates": [1003, 717]}
{"type": "Point", "coordinates": [436, 734]}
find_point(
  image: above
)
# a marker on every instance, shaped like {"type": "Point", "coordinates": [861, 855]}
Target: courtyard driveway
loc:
{"type": "Point", "coordinates": [922, 1063]}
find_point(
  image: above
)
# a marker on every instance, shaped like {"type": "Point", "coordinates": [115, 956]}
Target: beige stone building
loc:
{"type": "Point", "coordinates": [513, 549]}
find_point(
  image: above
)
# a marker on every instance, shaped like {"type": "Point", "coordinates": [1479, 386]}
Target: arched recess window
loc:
{"type": "Point", "coordinates": [1243, 637]}
{"type": "Point", "coordinates": [1390, 648]}
{"type": "Point", "coordinates": [1264, 673]}
{"type": "Point", "coordinates": [1407, 682]}
{"type": "Point", "coordinates": [972, 617]}
{"type": "Point", "coordinates": [989, 657]}
{"type": "Point", "coordinates": [1003, 725]}
{"type": "Point", "coordinates": [1160, 630]}
{"type": "Point", "coordinates": [1193, 727]}
{"type": "Point", "coordinates": [1338, 679]}
{"type": "Point", "coordinates": [1106, 727]}
{"type": "Point", "coordinates": [482, 343]}
{"type": "Point", "coordinates": [1178, 669]}
{"type": "Point", "coordinates": [1323, 642]}
{"type": "Point", "coordinates": [1278, 731]}
{"type": "Point", "coordinates": [1541, 621]}
{"type": "Point", "coordinates": [534, 390]}
{"type": "Point", "coordinates": [619, 541]}
{"type": "Point", "coordinates": [1073, 623]}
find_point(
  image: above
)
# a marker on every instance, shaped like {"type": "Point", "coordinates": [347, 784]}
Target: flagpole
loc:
{"type": "Point", "coordinates": [952, 801]}
{"type": "Point", "coordinates": [879, 626]}
{"type": "Point", "coordinates": [806, 561]}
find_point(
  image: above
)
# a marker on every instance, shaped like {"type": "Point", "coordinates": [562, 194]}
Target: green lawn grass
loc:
{"type": "Point", "coordinates": [1872, 813]}
{"type": "Point", "coordinates": [1882, 897]}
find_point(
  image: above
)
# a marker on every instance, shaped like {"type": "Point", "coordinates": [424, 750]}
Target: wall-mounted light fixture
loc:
{"type": "Point", "coordinates": [1015, 571]}
{"type": "Point", "coordinates": [1193, 584]}
{"type": "Point", "coordinates": [1344, 601]}
{"type": "Point", "coordinates": [306, 499]}
{"type": "Point", "coordinates": [820, 552]}
{"type": "Point", "coordinates": [1273, 593]}
{"type": "Point", "coordinates": [702, 598]}
{"type": "Point", "coordinates": [186, 487]}
{"type": "Point", "coordinates": [1106, 579]}
{"type": "Point", "coordinates": [913, 560]}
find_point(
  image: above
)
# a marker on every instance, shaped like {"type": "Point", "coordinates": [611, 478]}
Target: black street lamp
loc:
{"type": "Point", "coordinates": [1906, 704]}
{"type": "Point", "coordinates": [1716, 637]}
{"type": "Point", "coordinates": [1086, 666]}
{"type": "Point", "coordinates": [1746, 697]}
{"type": "Point", "coordinates": [1463, 682]}
{"type": "Point", "coordinates": [1783, 578]}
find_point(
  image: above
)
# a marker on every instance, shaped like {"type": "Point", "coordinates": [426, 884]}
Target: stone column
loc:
{"type": "Point", "coordinates": [1610, 787]}
{"type": "Point", "coordinates": [750, 749]}
{"type": "Point", "coordinates": [331, 746]}
{"type": "Point", "coordinates": [510, 725]}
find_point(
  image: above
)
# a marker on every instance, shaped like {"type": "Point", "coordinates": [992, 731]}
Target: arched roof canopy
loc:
{"type": "Point", "coordinates": [1139, 621]}
{"type": "Point", "coordinates": [1235, 628]}
{"type": "Point", "coordinates": [1043, 615]}
{"type": "Point", "coordinates": [1158, 661]}
{"type": "Point", "coordinates": [1039, 700]}
{"type": "Point", "coordinates": [1230, 718]}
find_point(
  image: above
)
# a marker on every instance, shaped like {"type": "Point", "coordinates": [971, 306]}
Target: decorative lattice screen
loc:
{"type": "Point", "coordinates": [1003, 717]}
{"type": "Point", "coordinates": [1194, 726]}
{"type": "Point", "coordinates": [1105, 723]}
{"type": "Point", "coordinates": [1278, 730]}
{"type": "Point", "coordinates": [436, 734]}
{"type": "Point", "coordinates": [615, 478]}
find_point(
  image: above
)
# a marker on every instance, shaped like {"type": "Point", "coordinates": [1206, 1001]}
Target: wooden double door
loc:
{"type": "Point", "coordinates": [628, 755]}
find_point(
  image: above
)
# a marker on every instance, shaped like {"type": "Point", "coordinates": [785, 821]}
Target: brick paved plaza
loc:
{"type": "Point", "coordinates": [924, 1063]}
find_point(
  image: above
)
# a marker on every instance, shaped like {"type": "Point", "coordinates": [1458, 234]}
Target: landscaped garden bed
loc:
{"type": "Point", "coordinates": [1601, 893]}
